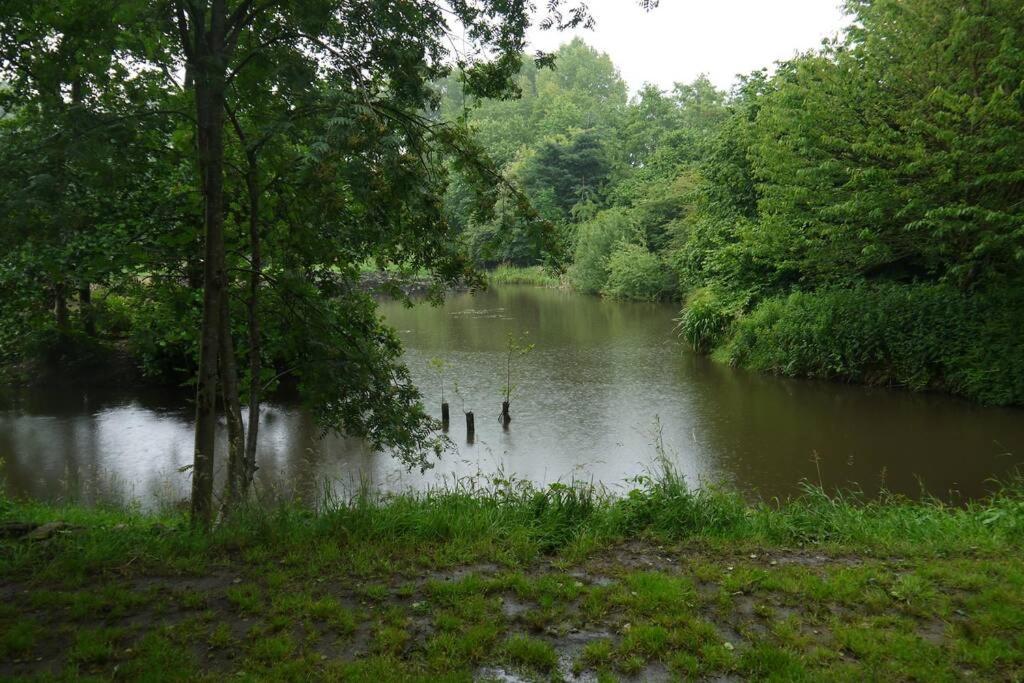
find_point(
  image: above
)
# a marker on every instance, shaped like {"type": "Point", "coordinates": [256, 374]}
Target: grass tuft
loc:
{"type": "Point", "coordinates": [532, 653]}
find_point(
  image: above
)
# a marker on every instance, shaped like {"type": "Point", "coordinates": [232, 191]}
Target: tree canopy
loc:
{"type": "Point", "coordinates": [201, 158]}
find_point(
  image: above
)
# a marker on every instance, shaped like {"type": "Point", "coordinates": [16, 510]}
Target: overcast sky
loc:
{"type": "Point", "coordinates": [683, 38]}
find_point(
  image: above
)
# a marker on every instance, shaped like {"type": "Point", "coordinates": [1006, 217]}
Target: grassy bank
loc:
{"type": "Point", "coordinates": [531, 275]}
{"type": "Point", "coordinates": [509, 580]}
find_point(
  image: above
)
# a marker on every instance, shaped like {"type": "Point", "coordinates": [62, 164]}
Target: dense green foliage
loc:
{"type": "Point", "coordinates": [550, 140]}
{"type": "Point", "coordinates": [922, 337]}
{"type": "Point", "coordinates": [856, 215]}
{"type": "Point", "coordinates": [634, 273]}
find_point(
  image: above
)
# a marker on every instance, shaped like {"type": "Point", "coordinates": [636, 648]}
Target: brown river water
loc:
{"type": "Point", "coordinates": [604, 380]}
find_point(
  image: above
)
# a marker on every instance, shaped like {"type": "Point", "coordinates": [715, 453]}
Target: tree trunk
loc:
{"type": "Point", "coordinates": [252, 305]}
{"type": "Point", "coordinates": [60, 307]}
{"type": "Point", "coordinates": [233, 485]}
{"type": "Point", "coordinates": [85, 310]}
{"type": "Point", "coordinates": [209, 73]}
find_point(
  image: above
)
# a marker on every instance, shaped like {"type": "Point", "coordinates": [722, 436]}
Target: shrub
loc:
{"type": "Point", "coordinates": [918, 336]}
{"type": "Point", "coordinates": [706, 319]}
{"type": "Point", "coordinates": [635, 273]}
{"type": "Point", "coordinates": [113, 313]}
{"type": "Point", "coordinates": [164, 332]}
{"type": "Point", "coordinates": [595, 241]}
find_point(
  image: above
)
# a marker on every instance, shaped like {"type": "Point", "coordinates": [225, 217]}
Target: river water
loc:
{"type": "Point", "coordinates": [605, 383]}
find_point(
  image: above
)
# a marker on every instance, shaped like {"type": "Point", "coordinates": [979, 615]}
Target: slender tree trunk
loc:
{"type": "Point", "coordinates": [75, 112]}
{"type": "Point", "coordinates": [209, 73]}
{"type": "Point", "coordinates": [234, 483]}
{"type": "Point", "coordinates": [85, 310]}
{"type": "Point", "coordinates": [252, 305]}
{"type": "Point", "coordinates": [193, 262]}
{"type": "Point", "coordinates": [60, 307]}
{"type": "Point", "coordinates": [60, 289]}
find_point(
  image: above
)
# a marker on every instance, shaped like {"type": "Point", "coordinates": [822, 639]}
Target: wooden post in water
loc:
{"type": "Point", "coordinates": [445, 419]}
{"type": "Point", "coordinates": [470, 428]}
{"type": "Point", "coordinates": [505, 417]}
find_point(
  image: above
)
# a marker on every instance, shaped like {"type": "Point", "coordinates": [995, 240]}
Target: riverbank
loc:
{"type": "Point", "coordinates": [514, 583]}
{"type": "Point", "coordinates": [421, 285]}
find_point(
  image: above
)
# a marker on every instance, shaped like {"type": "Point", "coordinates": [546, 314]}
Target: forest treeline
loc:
{"type": "Point", "coordinates": [856, 214]}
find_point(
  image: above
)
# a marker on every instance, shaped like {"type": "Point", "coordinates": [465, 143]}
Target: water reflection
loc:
{"type": "Point", "coordinates": [604, 379]}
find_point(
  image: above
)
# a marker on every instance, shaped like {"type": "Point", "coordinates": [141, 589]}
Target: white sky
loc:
{"type": "Point", "coordinates": [683, 38]}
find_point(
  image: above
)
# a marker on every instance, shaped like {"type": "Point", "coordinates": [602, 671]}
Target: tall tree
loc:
{"type": "Point", "coordinates": [378, 57]}
{"type": "Point", "coordinates": [881, 159]}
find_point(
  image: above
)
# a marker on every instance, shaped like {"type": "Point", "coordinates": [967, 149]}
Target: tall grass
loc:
{"type": "Point", "coordinates": [530, 275]}
{"type": "Point", "coordinates": [508, 520]}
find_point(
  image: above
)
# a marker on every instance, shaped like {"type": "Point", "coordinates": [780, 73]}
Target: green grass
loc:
{"type": "Point", "coordinates": [530, 275]}
{"type": "Point", "coordinates": [508, 522]}
{"type": "Point", "coordinates": [19, 638]}
{"type": "Point", "coordinates": [541, 582]}
{"type": "Point", "coordinates": [95, 645]}
{"type": "Point", "coordinates": [532, 653]}
{"type": "Point", "coordinates": [273, 648]}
